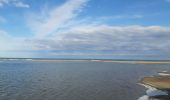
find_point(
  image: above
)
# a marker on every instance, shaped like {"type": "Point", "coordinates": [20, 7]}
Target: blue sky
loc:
{"type": "Point", "coordinates": [118, 29]}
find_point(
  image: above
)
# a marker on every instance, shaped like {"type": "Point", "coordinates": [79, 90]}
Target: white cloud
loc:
{"type": "Point", "coordinates": [1, 4]}
{"type": "Point", "coordinates": [21, 4]}
{"type": "Point", "coordinates": [10, 43]}
{"type": "Point", "coordinates": [45, 24]}
{"type": "Point", "coordinates": [4, 40]}
{"type": "Point", "coordinates": [16, 3]}
{"type": "Point", "coordinates": [133, 16]}
{"type": "Point", "coordinates": [4, 33]}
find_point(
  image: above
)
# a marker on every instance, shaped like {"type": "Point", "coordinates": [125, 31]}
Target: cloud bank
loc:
{"type": "Point", "coordinates": [16, 3]}
{"type": "Point", "coordinates": [108, 38]}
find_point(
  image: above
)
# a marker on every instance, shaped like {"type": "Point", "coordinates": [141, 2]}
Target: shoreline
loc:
{"type": "Point", "coordinates": [90, 60]}
{"type": "Point", "coordinates": [110, 61]}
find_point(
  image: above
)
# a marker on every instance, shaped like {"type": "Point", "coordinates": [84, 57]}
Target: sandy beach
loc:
{"type": "Point", "coordinates": [159, 82]}
{"type": "Point", "coordinates": [111, 61]}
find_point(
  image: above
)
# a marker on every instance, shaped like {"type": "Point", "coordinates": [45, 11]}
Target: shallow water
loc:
{"type": "Point", "coordinates": [28, 80]}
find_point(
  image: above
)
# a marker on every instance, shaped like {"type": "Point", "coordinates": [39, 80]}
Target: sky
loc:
{"type": "Point", "coordinates": [96, 29]}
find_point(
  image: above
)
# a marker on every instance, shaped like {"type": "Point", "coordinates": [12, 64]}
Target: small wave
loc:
{"type": "Point", "coordinates": [145, 97]}
{"type": "Point", "coordinates": [164, 73]}
{"type": "Point", "coordinates": [154, 93]}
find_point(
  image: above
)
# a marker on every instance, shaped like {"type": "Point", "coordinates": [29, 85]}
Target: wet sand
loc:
{"type": "Point", "coordinates": [159, 82]}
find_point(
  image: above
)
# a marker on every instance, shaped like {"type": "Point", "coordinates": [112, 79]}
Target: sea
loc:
{"type": "Point", "coordinates": [73, 80]}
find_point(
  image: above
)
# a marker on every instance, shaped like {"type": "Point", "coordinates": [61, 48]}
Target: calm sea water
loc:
{"type": "Point", "coordinates": [27, 80]}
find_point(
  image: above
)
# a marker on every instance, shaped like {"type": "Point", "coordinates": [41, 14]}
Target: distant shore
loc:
{"type": "Point", "coordinates": [153, 62]}
{"type": "Point", "coordinates": [111, 61]}
{"type": "Point", "coordinates": [89, 60]}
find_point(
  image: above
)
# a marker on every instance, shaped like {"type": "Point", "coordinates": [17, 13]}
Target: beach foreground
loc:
{"type": "Point", "coordinates": [158, 86]}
